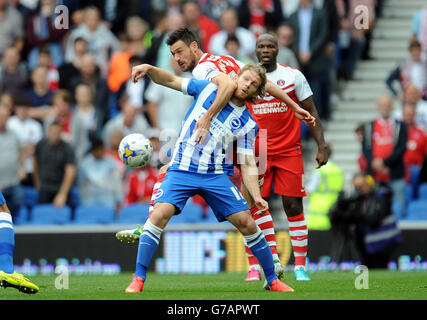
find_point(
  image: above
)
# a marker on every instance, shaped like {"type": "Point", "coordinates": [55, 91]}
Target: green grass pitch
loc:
{"type": "Point", "coordinates": [383, 285]}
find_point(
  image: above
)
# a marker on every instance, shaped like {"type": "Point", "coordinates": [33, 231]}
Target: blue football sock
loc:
{"type": "Point", "coordinates": [261, 250]}
{"type": "Point", "coordinates": [148, 243]}
{"type": "Point", "coordinates": [7, 242]}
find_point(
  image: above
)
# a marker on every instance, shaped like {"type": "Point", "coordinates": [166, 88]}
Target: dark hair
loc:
{"type": "Point", "coordinates": [232, 38]}
{"type": "Point", "coordinates": [136, 59]}
{"type": "Point", "coordinates": [414, 44]}
{"type": "Point", "coordinates": [183, 34]}
{"type": "Point", "coordinates": [44, 50]}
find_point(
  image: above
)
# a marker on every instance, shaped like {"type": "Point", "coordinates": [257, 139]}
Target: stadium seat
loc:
{"type": "Point", "coordinates": [417, 210]}
{"type": "Point", "coordinates": [422, 191]}
{"type": "Point", "coordinates": [22, 216]}
{"type": "Point", "coordinates": [94, 214]}
{"type": "Point", "coordinates": [397, 210]}
{"type": "Point", "coordinates": [31, 196]}
{"type": "Point", "coordinates": [210, 218]}
{"type": "Point", "coordinates": [414, 173]}
{"type": "Point", "coordinates": [49, 214]}
{"type": "Point", "coordinates": [134, 213]}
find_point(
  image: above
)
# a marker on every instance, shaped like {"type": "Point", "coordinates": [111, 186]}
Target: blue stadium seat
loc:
{"type": "Point", "coordinates": [417, 210]}
{"type": "Point", "coordinates": [397, 209]}
{"type": "Point", "coordinates": [134, 213]}
{"type": "Point", "coordinates": [94, 214]}
{"type": "Point", "coordinates": [414, 173]}
{"type": "Point", "coordinates": [31, 196]}
{"type": "Point", "coordinates": [409, 193]}
{"type": "Point", "coordinates": [49, 214]}
{"type": "Point", "coordinates": [22, 216]}
{"type": "Point", "coordinates": [422, 191]}
{"type": "Point", "coordinates": [210, 218]}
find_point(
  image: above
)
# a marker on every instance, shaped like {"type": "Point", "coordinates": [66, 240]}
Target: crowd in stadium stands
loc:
{"type": "Point", "coordinates": [67, 99]}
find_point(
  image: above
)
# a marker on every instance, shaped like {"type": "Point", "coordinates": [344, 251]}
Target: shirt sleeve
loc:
{"type": "Point", "coordinates": [302, 88]}
{"type": "Point", "coordinates": [193, 87]}
{"type": "Point", "coordinates": [206, 71]}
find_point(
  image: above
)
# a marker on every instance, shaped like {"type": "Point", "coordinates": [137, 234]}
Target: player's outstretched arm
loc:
{"type": "Point", "coordinates": [158, 75]}
{"type": "Point", "coordinates": [226, 88]}
{"type": "Point", "coordinates": [249, 171]}
{"type": "Point", "coordinates": [317, 132]}
{"type": "Point", "coordinates": [300, 113]}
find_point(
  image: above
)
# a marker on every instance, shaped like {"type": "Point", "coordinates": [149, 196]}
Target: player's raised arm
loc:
{"type": "Point", "coordinates": [226, 88]}
{"type": "Point", "coordinates": [158, 75]}
{"type": "Point", "coordinates": [300, 113]}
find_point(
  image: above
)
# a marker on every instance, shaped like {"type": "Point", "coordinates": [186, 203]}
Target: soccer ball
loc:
{"type": "Point", "coordinates": [135, 150]}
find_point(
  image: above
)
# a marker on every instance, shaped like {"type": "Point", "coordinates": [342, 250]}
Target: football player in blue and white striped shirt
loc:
{"type": "Point", "coordinates": [203, 168]}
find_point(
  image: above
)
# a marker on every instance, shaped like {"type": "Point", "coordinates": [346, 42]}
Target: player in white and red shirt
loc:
{"type": "Point", "coordinates": [220, 70]}
{"type": "Point", "coordinates": [284, 166]}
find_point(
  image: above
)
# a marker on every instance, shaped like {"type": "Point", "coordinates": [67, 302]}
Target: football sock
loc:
{"type": "Point", "coordinates": [299, 238]}
{"type": "Point", "coordinates": [7, 242]}
{"type": "Point", "coordinates": [148, 243]}
{"type": "Point", "coordinates": [156, 188]}
{"type": "Point", "coordinates": [259, 247]}
{"type": "Point", "coordinates": [265, 223]}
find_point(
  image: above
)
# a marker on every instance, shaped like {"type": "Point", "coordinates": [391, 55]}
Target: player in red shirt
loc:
{"type": "Point", "coordinates": [284, 167]}
{"type": "Point", "coordinates": [416, 147]}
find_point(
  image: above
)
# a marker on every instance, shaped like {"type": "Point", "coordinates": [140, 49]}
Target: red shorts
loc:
{"type": "Point", "coordinates": [285, 174]}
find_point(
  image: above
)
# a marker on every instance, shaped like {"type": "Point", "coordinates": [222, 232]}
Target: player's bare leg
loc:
{"type": "Point", "coordinates": [265, 223]}
{"type": "Point", "coordinates": [132, 235]}
{"type": "Point", "coordinates": [148, 243]}
{"type": "Point", "coordinates": [255, 240]}
{"type": "Point", "coordinates": [299, 234]}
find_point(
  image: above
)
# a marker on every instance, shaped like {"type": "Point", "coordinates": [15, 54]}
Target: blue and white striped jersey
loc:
{"type": "Point", "coordinates": [232, 123]}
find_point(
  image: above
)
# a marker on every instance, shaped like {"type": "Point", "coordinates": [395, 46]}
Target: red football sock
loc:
{"type": "Point", "coordinates": [299, 238]}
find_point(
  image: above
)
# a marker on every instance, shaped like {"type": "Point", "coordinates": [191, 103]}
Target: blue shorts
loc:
{"type": "Point", "coordinates": [218, 191]}
{"type": "Point", "coordinates": [2, 199]}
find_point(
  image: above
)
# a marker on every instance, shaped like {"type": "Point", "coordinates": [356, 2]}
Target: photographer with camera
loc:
{"type": "Point", "coordinates": [365, 219]}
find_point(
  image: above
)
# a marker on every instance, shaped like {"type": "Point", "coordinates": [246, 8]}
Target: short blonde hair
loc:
{"type": "Point", "coordinates": [260, 70]}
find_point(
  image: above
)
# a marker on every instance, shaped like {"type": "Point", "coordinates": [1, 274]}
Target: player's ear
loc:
{"type": "Point", "coordinates": [194, 46]}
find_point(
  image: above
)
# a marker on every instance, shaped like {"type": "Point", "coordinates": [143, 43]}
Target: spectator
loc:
{"type": "Point", "coordinates": [384, 145]}
{"type": "Point", "coordinates": [128, 121]}
{"type": "Point", "coordinates": [310, 25]}
{"type": "Point", "coordinates": [73, 130]}
{"type": "Point", "coordinates": [413, 96]}
{"type": "Point", "coordinates": [260, 16]}
{"type": "Point", "coordinates": [214, 8]}
{"type": "Point", "coordinates": [11, 27]}
{"type": "Point", "coordinates": [90, 75]}
{"type": "Point", "coordinates": [285, 38]}
{"type": "Point", "coordinates": [41, 31]}
{"type": "Point", "coordinates": [159, 53]}
{"type": "Point", "coordinates": [54, 168]}
{"type": "Point", "coordinates": [45, 60]}
{"type": "Point", "coordinates": [416, 147]}
{"type": "Point", "coordinates": [12, 168]}
{"type": "Point", "coordinates": [99, 178]}
{"type": "Point", "coordinates": [361, 160]}
{"type": "Point", "coordinates": [85, 110]}
{"type": "Point", "coordinates": [352, 36]}
{"type": "Point", "coordinates": [232, 46]}
{"type": "Point", "coordinates": [102, 43]}
{"type": "Point", "coordinates": [419, 27]}
{"type": "Point", "coordinates": [13, 73]}
{"type": "Point", "coordinates": [130, 92]}
{"type": "Point", "coordinates": [6, 101]}
{"type": "Point", "coordinates": [40, 95]}
{"type": "Point", "coordinates": [200, 24]}
{"type": "Point", "coordinates": [230, 25]}
{"type": "Point", "coordinates": [113, 150]}
{"type": "Point", "coordinates": [155, 37]}
{"type": "Point", "coordinates": [369, 210]}
{"type": "Point", "coordinates": [29, 133]}
{"type": "Point", "coordinates": [70, 70]}
{"type": "Point", "coordinates": [136, 28]}
{"type": "Point", "coordinates": [160, 99]}
{"type": "Point", "coordinates": [119, 71]}
{"type": "Point", "coordinates": [413, 70]}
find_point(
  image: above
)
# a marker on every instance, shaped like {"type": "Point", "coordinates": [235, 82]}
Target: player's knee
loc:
{"type": "Point", "coordinates": [247, 225]}
{"type": "Point", "coordinates": [292, 206]}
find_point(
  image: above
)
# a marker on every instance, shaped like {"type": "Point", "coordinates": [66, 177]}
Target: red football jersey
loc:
{"type": "Point", "coordinates": [283, 128]}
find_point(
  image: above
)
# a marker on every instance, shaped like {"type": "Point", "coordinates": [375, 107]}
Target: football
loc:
{"type": "Point", "coordinates": [135, 150]}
